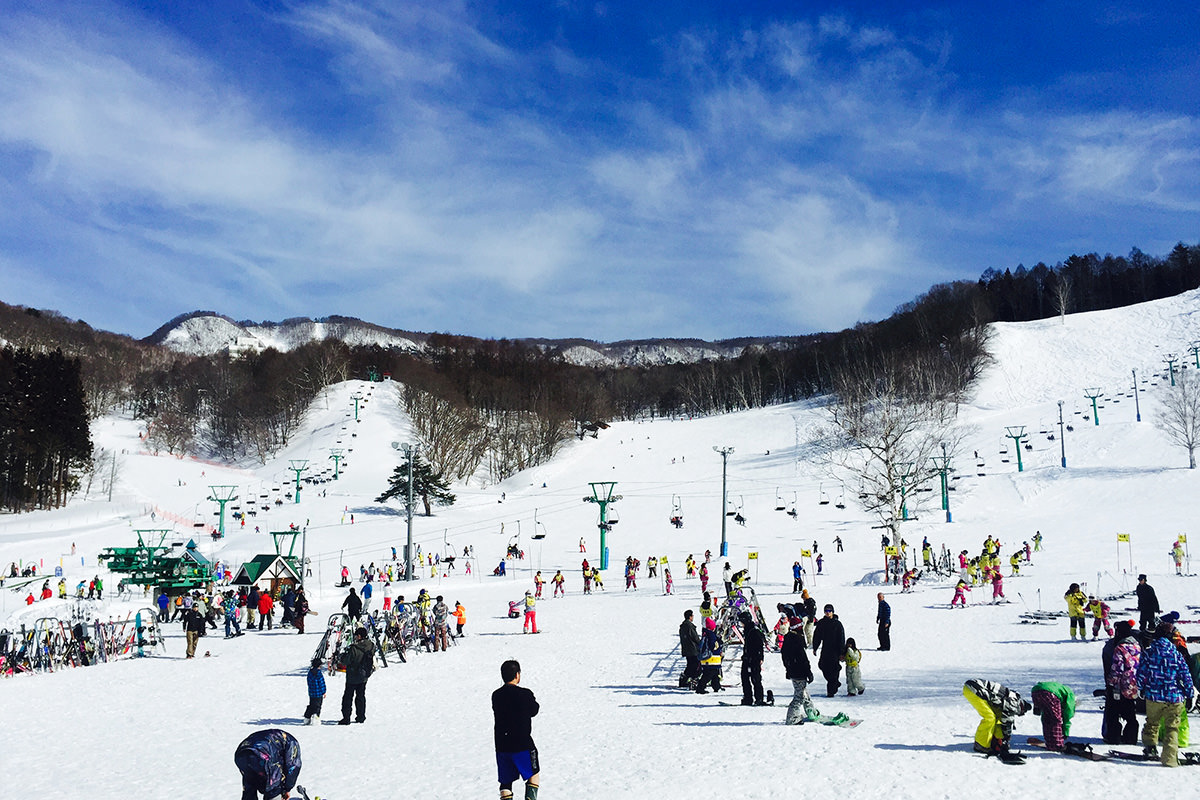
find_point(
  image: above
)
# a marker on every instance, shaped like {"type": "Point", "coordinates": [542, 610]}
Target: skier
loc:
{"type": "Point", "coordinates": [689, 648]}
{"type": "Point", "coordinates": [998, 589]}
{"type": "Point", "coordinates": [1164, 681]}
{"type": "Point", "coordinates": [669, 580]}
{"type": "Point", "coordinates": [830, 637]}
{"type": "Point", "coordinates": [530, 613]}
{"type": "Point", "coordinates": [706, 608]}
{"type": "Point", "coordinates": [630, 574]}
{"type": "Point", "coordinates": [853, 659]}
{"type": "Point", "coordinates": [269, 761]}
{"type": "Point", "coordinates": [703, 578]}
{"type": "Point", "coordinates": [582, 545]}
{"type": "Point", "coordinates": [316, 693]}
{"type": "Point", "coordinates": [797, 577]}
{"type": "Point", "coordinates": [652, 567]}
{"type": "Point", "coordinates": [1037, 542]}
{"type": "Point", "coordinates": [1076, 602]}
{"type": "Point", "coordinates": [559, 580]}
{"type": "Point", "coordinates": [460, 618]}
{"type": "Point", "coordinates": [387, 595]}
{"type": "Point", "coordinates": [1122, 654]}
{"type": "Point", "coordinates": [710, 658]}
{"type": "Point", "coordinates": [837, 540]}
{"type": "Point", "coordinates": [538, 583]}
{"type": "Point", "coordinates": [514, 708]}
{"type": "Point", "coordinates": [1099, 610]}
{"type": "Point", "coordinates": [359, 661]}
{"type": "Point", "coordinates": [883, 617]}
{"type": "Point", "coordinates": [999, 707]}
{"type": "Point", "coordinates": [1055, 704]}
{"type": "Point", "coordinates": [799, 672]}
{"type": "Point", "coordinates": [1177, 554]}
{"type": "Point", "coordinates": [960, 594]}
{"type": "Point", "coordinates": [753, 646]}
{"type": "Point", "coordinates": [1014, 561]}
{"type": "Point", "coordinates": [587, 580]}
{"type": "Point", "coordinates": [820, 563]}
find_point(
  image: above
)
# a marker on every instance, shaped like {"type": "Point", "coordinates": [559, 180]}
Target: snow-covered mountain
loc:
{"type": "Point", "coordinates": [205, 333]}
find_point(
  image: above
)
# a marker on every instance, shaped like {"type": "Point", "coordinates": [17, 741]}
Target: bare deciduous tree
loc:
{"type": "Point", "coordinates": [1179, 416]}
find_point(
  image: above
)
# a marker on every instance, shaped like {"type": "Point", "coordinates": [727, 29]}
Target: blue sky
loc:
{"type": "Point", "coordinates": [606, 170]}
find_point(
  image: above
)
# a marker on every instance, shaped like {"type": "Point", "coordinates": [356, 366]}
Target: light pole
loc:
{"type": "Point", "coordinates": [724, 451]}
{"type": "Point", "coordinates": [1062, 436]}
{"type": "Point", "coordinates": [1136, 405]}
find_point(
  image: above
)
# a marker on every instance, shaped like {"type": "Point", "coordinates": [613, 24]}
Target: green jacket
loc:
{"type": "Point", "coordinates": [1065, 696]}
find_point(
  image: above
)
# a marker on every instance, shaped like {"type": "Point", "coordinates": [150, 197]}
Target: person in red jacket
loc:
{"type": "Point", "coordinates": [266, 608]}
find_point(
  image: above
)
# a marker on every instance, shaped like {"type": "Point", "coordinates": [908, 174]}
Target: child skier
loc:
{"type": "Point", "coordinates": [316, 693]}
{"type": "Point", "coordinates": [710, 658]}
{"type": "Point", "coordinates": [558, 580]}
{"type": "Point", "coordinates": [1076, 602]}
{"type": "Point", "coordinates": [1099, 610]}
{"type": "Point", "coordinates": [460, 617]}
{"type": "Point", "coordinates": [997, 585]}
{"type": "Point", "coordinates": [853, 658]}
{"type": "Point", "coordinates": [538, 582]}
{"type": "Point", "coordinates": [514, 609]}
{"type": "Point", "coordinates": [960, 594]}
{"type": "Point", "coordinates": [703, 578]}
{"type": "Point", "coordinates": [670, 582]}
{"type": "Point", "coordinates": [1014, 561]}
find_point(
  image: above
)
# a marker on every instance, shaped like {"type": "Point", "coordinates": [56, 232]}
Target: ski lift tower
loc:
{"type": "Point", "coordinates": [298, 465]}
{"type": "Point", "coordinates": [335, 454]}
{"type": "Point", "coordinates": [1093, 395]}
{"type": "Point", "coordinates": [724, 451]}
{"type": "Point", "coordinates": [1016, 433]}
{"type": "Point", "coordinates": [356, 398]}
{"type": "Point", "coordinates": [223, 496]}
{"type": "Point", "coordinates": [602, 495]}
{"type": "Point", "coordinates": [1171, 360]}
{"type": "Point", "coordinates": [942, 465]}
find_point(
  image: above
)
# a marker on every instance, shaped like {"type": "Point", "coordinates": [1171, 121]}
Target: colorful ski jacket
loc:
{"type": "Point", "coordinates": [1066, 698]}
{"type": "Point", "coordinates": [270, 761]}
{"type": "Point", "coordinates": [1076, 601]}
{"type": "Point", "coordinates": [1123, 670]}
{"type": "Point", "coordinates": [1163, 675]}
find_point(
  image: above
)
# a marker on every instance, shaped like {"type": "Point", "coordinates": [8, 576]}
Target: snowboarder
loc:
{"type": "Point", "coordinates": [269, 761]}
{"type": "Point", "coordinates": [689, 648]}
{"type": "Point", "coordinates": [1055, 704]}
{"type": "Point", "coordinates": [316, 693]}
{"type": "Point", "coordinates": [799, 672]}
{"type": "Point", "coordinates": [1164, 681]}
{"type": "Point", "coordinates": [830, 637]}
{"type": "Point", "coordinates": [1121, 656]}
{"type": "Point", "coordinates": [1076, 602]}
{"type": "Point", "coordinates": [999, 708]}
{"type": "Point", "coordinates": [359, 661]}
{"type": "Point", "coordinates": [753, 646]}
{"type": "Point", "coordinates": [514, 708]}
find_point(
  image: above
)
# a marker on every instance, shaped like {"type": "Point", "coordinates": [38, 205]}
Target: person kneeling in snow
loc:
{"type": "Point", "coordinates": [999, 708]}
{"type": "Point", "coordinates": [269, 761]}
{"type": "Point", "coordinates": [1055, 704]}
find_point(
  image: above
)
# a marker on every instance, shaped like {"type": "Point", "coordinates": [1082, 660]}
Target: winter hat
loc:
{"type": "Point", "coordinates": [1171, 617]}
{"type": "Point", "coordinates": [1142, 577]}
{"type": "Point", "coordinates": [710, 624]}
{"type": "Point", "coordinates": [746, 617]}
{"type": "Point", "coordinates": [1123, 627]}
{"type": "Point", "coordinates": [360, 633]}
{"type": "Point", "coordinates": [829, 608]}
{"type": "Point", "coordinates": [528, 594]}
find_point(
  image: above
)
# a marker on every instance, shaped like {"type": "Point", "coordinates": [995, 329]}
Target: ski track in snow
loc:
{"type": "Point", "coordinates": [604, 667]}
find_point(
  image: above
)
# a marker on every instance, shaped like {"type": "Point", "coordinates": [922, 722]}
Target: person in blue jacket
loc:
{"type": "Point", "coordinates": [1164, 680]}
{"type": "Point", "coordinates": [269, 761]}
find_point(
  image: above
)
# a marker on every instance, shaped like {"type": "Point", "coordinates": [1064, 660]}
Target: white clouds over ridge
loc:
{"type": "Point", "coordinates": [826, 168]}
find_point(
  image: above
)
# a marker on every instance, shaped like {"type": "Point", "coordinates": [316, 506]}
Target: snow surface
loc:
{"type": "Point", "coordinates": [611, 725]}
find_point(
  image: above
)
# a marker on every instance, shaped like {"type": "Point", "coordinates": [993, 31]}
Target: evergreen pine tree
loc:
{"type": "Point", "coordinates": [428, 485]}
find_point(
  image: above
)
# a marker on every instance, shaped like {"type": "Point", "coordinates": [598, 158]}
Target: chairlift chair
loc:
{"type": "Point", "coordinates": [823, 498]}
{"type": "Point", "coordinates": [841, 501]}
{"type": "Point", "coordinates": [779, 504]}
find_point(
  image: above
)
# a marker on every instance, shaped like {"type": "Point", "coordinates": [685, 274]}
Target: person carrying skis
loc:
{"type": "Point", "coordinates": [559, 582]}
{"type": "Point", "coordinates": [1099, 610]}
{"type": "Point", "coordinates": [753, 648]}
{"type": "Point", "coordinates": [1055, 704]}
{"type": "Point", "coordinates": [269, 761]}
{"type": "Point", "coordinates": [1076, 602]}
{"type": "Point", "coordinates": [689, 648]}
{"type": "Point", "coordinates": [514, 708]}
{"type": "Point", "coordinates": [799, 672]}
{"type": "Point", "coordinates": [710, 658]}
{"type": "Point", "coordinates": [830, 637]}
{"type": "Point", "coordinates": [999, 707]}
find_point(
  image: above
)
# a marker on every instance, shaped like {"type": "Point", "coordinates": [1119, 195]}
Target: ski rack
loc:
{"type": "Point", "coordinates": [729, 628]}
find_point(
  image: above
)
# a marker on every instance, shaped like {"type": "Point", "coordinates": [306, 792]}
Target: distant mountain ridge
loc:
{"type": "Point", "coordinates": [207, 333]}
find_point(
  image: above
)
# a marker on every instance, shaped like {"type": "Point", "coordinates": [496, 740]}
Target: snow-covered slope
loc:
{"type": "Point", "coordinates": [603, 669]}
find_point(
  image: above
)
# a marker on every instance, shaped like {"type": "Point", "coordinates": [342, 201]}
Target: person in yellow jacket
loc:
{"type": "Point", "coordinates": [1077, 601]}
{"type": "Point", "coordinates": [1015, 562]}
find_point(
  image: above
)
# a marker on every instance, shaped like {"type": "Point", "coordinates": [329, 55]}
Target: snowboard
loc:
{"type": "Point", "coordinates": [1185, 759]}
{"type": "Point", "coordinates": [770, 699]}
{"type": "Point", "coordinates": [1083, 751]}
{"type": "Point", "coordinates": [838, 720]}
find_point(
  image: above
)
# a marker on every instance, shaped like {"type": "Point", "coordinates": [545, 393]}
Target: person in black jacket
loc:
{"type": "Point", "coordinates": [514, 708]}
{"type": "Point", "coordinates": [830, 637]}
{"type": "Point", "coordinates": [353, 604]}
{"type": "Point", "coordinates": [359, 661]}
{"type": "Point", "coordinates": [193, 626]}
{"type": "Point", "coordinates": [799, 672]}
{"type": "Point", "coordinates": [1147, 604]}
{"type": "Point", "coordinates": [753, 645]}
{"type": "Point", "coordinates": [884, 617]}
{"type": "Point", "coordinates": [689, 648]}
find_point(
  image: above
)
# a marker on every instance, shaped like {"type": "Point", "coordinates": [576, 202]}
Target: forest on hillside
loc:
{"type": "Point", "coordinates": [503, 405]}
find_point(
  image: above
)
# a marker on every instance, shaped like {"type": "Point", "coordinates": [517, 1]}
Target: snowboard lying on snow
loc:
{"type": "Point", "coordinates": [1071, 749]}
